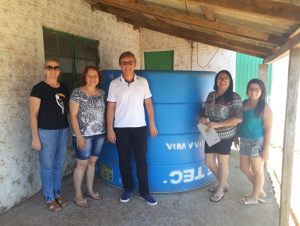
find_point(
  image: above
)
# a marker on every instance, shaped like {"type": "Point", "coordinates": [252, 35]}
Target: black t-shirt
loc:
{"type": "Point", "coordinates": [54, 105]}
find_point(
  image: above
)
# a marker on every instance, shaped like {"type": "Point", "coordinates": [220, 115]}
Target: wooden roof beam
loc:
{"type": "Point", "coordinates": [274, 40]}
{"type": "Point", "coordinates": [208, 39]}
{"type": "Point", "coordinates": [198, 39]}
{"type": "Point", "coordinates": [209, 14]}
{"type": "Point", "coordinates": [160, 26]}
{"type": "Point", "coordinates": [259, 7]}
{"type": "Point", "coordinates": [179, 16]}
{"type": "Point", "coordinates": [294, 41]}
{"type": "Point", "coordinates": [180, 32]}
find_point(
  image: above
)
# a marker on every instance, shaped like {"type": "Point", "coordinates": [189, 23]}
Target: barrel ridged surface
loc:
{"type": "Point", "coordinates": [176, 155]}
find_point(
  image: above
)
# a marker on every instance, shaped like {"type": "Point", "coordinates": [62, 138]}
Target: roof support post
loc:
{"type": "Point", "coordinates": [289, 135]}
{"type": "Point", "coordinates": [263, 73]}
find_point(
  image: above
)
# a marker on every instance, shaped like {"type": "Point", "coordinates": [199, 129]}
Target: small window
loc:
{"type": "Point", "coordinates": [161, 60]}
{"type": "Point", "coordinates": [73, 52]}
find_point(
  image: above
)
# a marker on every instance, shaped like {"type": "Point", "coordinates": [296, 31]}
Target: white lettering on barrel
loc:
{"type": "Point", "coordinates": [186, 176]}
{"type": "Point", "coordinates": [184, 145]}
{"type": "Point", "coordinates": [178, 174]}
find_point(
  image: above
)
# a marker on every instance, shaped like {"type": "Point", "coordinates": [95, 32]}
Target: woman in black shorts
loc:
{"type": "Point", "coordinates": [222, 111]}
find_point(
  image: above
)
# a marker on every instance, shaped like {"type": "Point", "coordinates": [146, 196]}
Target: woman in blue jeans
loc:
{"type": "Point", "coordinates": [87, 109]}
{"type": "Point", "coordinates": [48, 104]}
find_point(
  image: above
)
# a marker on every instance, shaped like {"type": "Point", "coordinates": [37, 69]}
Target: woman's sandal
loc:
{"type": "Point", "coordinates": [82, 203]}
{"type": "Point", "coordinates": [215, 188]}
{"type": "Point", "coordinates": [96, 195]}
{"type": "Point", "coordinates": [61, 201]}
{"type": "Point", "coordinates": [248, 201]}
{"type": "Point", "coordinates": [53, 206]}
{"type": "Point", "coordinates": [216, 198]}
{"type": "Point", "coordinates": [260, 198]}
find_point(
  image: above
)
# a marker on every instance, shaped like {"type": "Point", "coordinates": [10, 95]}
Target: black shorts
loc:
{"type": "Point", "coordinates": [223, 147]}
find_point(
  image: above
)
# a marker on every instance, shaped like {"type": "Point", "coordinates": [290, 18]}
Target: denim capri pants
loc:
{"type": "Point", "coordinates": [93, 147]}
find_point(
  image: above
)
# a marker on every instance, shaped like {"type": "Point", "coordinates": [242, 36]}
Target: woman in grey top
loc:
{"type": "Point", "coordinates": [87, 109]}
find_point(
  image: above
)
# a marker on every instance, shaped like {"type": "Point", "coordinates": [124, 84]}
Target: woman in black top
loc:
{"type": "Point", "coordinates": [50, 130]}
{"type": "Point", "coordinates": [222, 112]}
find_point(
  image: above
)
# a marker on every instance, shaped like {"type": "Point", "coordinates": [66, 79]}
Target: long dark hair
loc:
{"type": "Point", "coordinates": [262, 99]}
{"type": "Point", "coordinates": [228, 95]}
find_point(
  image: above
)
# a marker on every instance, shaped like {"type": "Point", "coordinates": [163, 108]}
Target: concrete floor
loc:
{"type": "Point", "coordinates": [188, 208]}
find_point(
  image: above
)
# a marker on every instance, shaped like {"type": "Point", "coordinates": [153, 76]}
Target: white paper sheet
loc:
{"type": "Point", "coordinates": [210, 135]}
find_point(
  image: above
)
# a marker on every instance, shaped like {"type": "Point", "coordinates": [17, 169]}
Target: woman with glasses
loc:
{"type": "Point", "coordinates": [255, 138]}
{"type": "Point", "coordinates": [87, 109]}
{"type": "Point", "coordinates": [222, 112]}
{"type": "Point", "coordinates": [48, 105]}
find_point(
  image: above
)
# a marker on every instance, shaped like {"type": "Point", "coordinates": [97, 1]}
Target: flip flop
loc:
{"type": "Point", "coordinates": [96, 195]}
{"type": "Point", "coordinates": [260, 199]}
{"type": "Point", "coordinates": [216, 198]}
{"type": "Point", "coordinates": [214, 189]}
{"type": "Point", "coordinates": [246, 201]}
{"type": "Point", "coordinates": [82, 203]}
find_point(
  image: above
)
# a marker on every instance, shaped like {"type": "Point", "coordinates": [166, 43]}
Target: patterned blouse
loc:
{"type": "Point", "coordinates": [216, 109]}
{"type": "Point", "coordinates": [91, 114]}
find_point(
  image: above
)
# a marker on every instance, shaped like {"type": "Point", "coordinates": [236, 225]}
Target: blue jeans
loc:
{"type": "Point", "coordinates": [93, 147]}
{"type": "Point", "coordinates": [51, 158]}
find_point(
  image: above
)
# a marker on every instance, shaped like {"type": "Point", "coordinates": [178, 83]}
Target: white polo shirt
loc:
{"type": "Point", "coordinates": [129, 99]}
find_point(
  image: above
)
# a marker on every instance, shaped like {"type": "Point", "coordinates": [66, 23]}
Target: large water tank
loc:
{"type": "Point", "coordinates": [176, 155]}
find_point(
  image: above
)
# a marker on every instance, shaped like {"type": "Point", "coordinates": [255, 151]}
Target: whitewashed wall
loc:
{"type": "Point", "coordinates": [187, 55]}
{"type": "Point", "coordinates": [21, 63]}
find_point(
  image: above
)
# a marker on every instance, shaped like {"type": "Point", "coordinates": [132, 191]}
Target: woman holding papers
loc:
{"type": "Point", "coordinates": [222, 112]}
{"type": "Point", "coordinates": [255, 137]}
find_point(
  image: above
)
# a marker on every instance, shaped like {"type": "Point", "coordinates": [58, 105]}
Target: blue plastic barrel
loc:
{"type": "Point", "coordinates": [176, 155]}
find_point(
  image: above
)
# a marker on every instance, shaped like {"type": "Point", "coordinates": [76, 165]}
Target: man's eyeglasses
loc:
{"type": "Point", "coordinates": [124, 63]}
{"type": "Point", "coordinates": [50, 68]}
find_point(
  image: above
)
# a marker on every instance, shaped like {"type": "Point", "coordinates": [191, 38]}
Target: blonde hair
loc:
{"type": "Point", "coordinates": [51, 59]}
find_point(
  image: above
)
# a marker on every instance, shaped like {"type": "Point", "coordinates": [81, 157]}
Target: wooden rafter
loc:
{"type": "Point", "coordinates": [178, 16]}
{"type": "Point", "coordinates": [202, 38]}
{"type": "Point", "coordinates": [160, 26]}
{"type": "Point", "coordinates": [261, 7]}
{"type": "Point", "coordinates": [209, 14]}
{"type": "Point", "coordinates": [294, 41]}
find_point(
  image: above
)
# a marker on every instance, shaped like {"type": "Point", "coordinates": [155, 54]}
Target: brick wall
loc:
{"type": "Point", "coordinates": [187, 55]}
{"type": "Point", "coordinates": [21, 62]}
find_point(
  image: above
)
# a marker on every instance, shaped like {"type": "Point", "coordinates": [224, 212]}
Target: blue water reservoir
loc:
{"type": "Point", "coordinates": [176, 155]}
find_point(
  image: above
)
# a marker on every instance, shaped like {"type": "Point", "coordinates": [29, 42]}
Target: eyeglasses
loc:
{"type": "Point", "coordinates": [50, 68]}
{"type": "Point", "coordinates": [124, 63]}
{"type": "Point", "coordinates": [254, 90]}
{"type": "Point", "coordinates": [223, 79]}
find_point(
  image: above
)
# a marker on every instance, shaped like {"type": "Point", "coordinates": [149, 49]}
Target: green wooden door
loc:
{"type": "Point", "coordinates": [246, 69]}
{"type": "Point", "coordinates": [161, 60]}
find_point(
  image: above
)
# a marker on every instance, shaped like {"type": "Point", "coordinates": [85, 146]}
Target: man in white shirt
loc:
{"type": "Point", "coordinates": [126, 125]}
